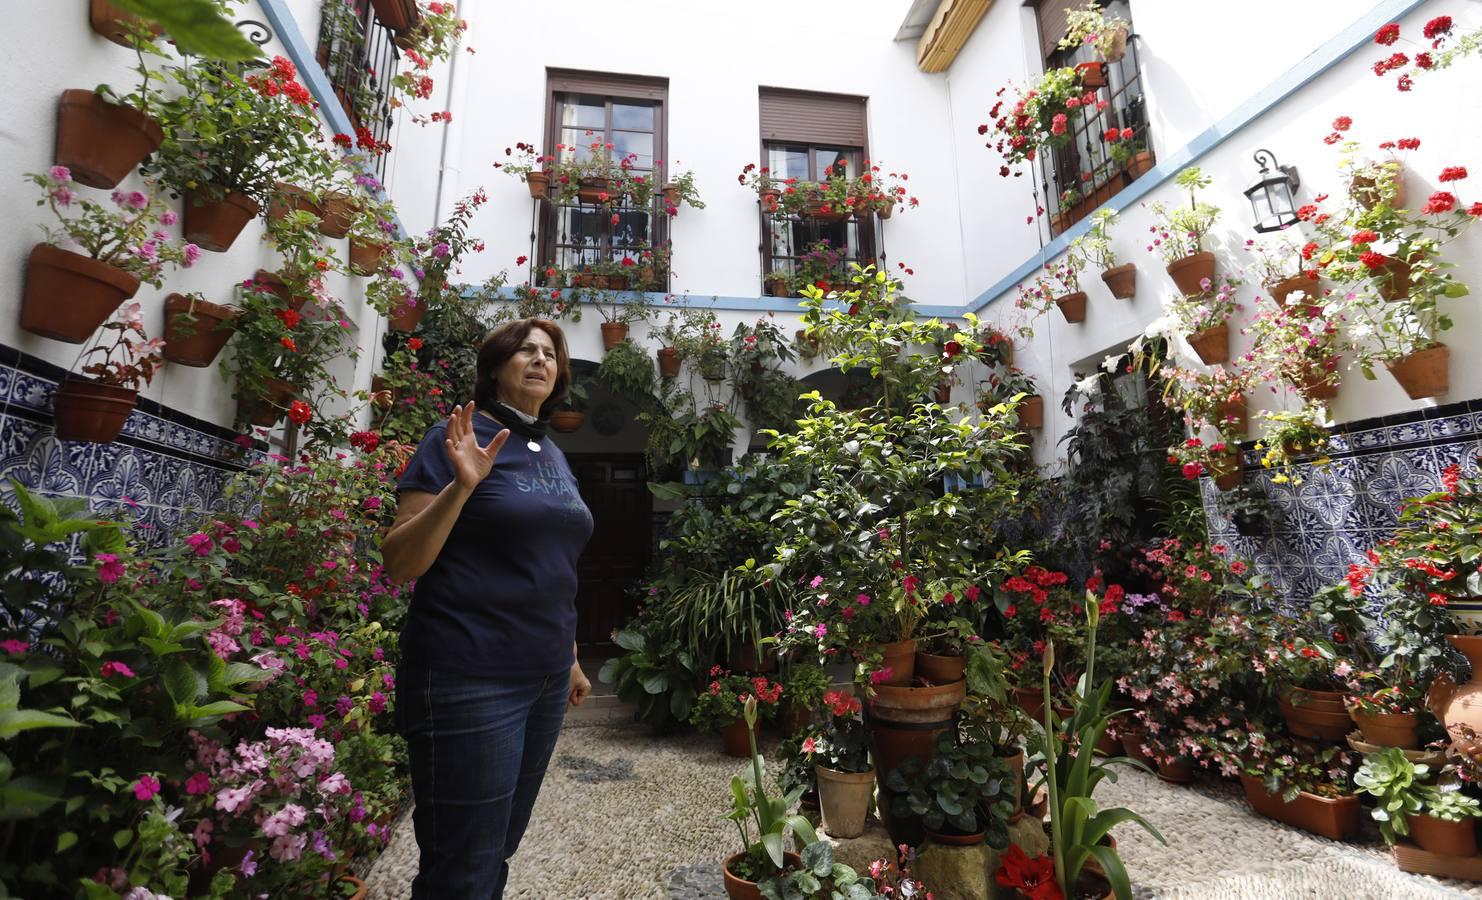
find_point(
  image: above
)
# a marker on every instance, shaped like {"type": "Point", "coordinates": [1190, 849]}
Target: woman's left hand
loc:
{"type": "Point", "coordinates": [580, 686]}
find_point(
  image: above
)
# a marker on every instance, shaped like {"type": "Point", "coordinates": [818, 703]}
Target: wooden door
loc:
{"type": "Point", "coordinates": [615, 489]}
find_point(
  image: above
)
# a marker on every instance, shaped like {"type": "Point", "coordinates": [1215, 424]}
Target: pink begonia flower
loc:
{"type": "Point", "coordinates": [110, 570]}
{"type": "Point", "coordinates": [231, 545]}
{"type": "Point", "coordinates": [311, 699]}
{"type": "Point", "coordinates": [336, 783]}
{"type": "Point", "coordinates": [288, 848]}
{"type": "Point", "coordinates": [111, 668]}
{"type": "Point", "coordinates": [228, 799]}
{"type": "Point", "coordinates": [880, 675]}
{"type": "Point", "coordinates": [817, 580]}
{"type": "Point", "coordinates": [14, 647]}
{"type": "Point", "coordinates": [318, 721]}
{"type": "Point", "coordinates": [146, 787]}
{"type": "Point", "coordinates": [200, 543]}
{"type": "Point", "coordinates": [820, 630]}
{"type": "Point", "coordinates": [284, 820]}
{"type": "Point", "coordinates": [198, 783]}
{"type": "Point", "coordinates": [809, 745]}
{"type": "Point", "coordinates": [202, 834]}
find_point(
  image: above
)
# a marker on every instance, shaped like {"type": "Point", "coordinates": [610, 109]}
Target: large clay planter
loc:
{"type": "Point", "coordinates": [88, 411]}
{"type": "Point", "coordinates": [1320, 715]}
{"type": "Point", "coordinates": [214, 224]}
{"type": "Point", "coordinates": [1288, 286]}
{"type": "Point", "coordinates": [940, 669]}
{"type": "Point", "coordinates": [1445, 838]}
{"type": "Point", "coordinates": [113, 23]}
{"type": "Point", "coordinates": [1121, 280]}
{"type": "Point", "coordinates": [1015, 762]}
{"type": "Point", "coordinates": [99, 142]}
{"type": "Point", "coordinates": [1460, 704]}
{"type": "Point", "coordinates": [734, 741]}
{"type": "Point", "coordinates": [1178, 771]}
{"type": "Point", "coordinates": [1032, 701]}
{"type": "Point", "coordinates": [365, 258]}
{"type": "Point", "coordinates": [613, 333]}
{"type": "Point", "coordinates": [900, 659]}
{"type": "Point", "coordinates": [1188, 272]}
{"type": "Point", "coordinates": [795, 718]}
{"type": "Point", "coordinates": [265, 411]}
{"type": "Point", "coordinates": [68, 295]}
{"type": "Point", "coordinates": [406, 317]}
{"type": "Point", "coordinates": [1212, 344]}
{"type": "Point", "coordinates": [905, 722]}
{"type": "Point", "coordinates": [539, 184]}
{"type": "Point", "coordinates": [1228, 471]}
{"type": "Point", "coordinates": [197, 343]}
{"type": "Point", "coordinates": [338, 215]}
{"type": "Point", "coordinates": [737, 889]}
{"type": "Point", "coordinates": [844, 798]}
{"type": "Point", "coordinates": [668, 362]}
{"type": "Point", "coordinates": [1031, 413]}
{"type": "Point", "coordinates": [567, 420]}
{"type": "Point", "coordinates": [1073, 307]}
{"type": "Point", "coordinates": [1332, 818]}
{"type": "Point", "coordinates": [1389, 729]}
{"type": "Point", "coordinates": [1424, 373]}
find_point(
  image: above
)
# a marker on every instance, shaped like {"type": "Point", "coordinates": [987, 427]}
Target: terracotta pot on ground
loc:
{"type": "Point", "coordinates": [1335, 818]}
{"type": "Point", "coordinates": [737, 889]}
{"type": "Point", "coordinates": [85, 410]}
{"type": "Point", "coordinates": [613, 333]}
{"type": "Point", "coordinates": [1032, 701]}
{"type": "Point", "coordinates": [1460, 704]}
{"type": "Point", "coordinates": [844, 799]}
{"type": "Point", "coordinates": [99, 142]}
{"type": "Point", "coordinates": [539, 184]}
{"type": "Point", "coordinates": [795, 718]}
{"type": "Point", "coordinates": [1424, 373]}
{"type": "Point", "coordinates": [668, 362]}
{"type": "Point", "coordinates": [113, 23]}
{"type": "Point", "coordinates": [407, 316]}
{"type": "Point", "coordinates": [1031, 413]}
{"type": "Point", "coordinates": [1389, 729]}
{"type": "Point", "coordinates": [266, 410]}
{"type": "Point", "coordinates": [905, 722]}
{"type": "Point", "coordinates": [1188, 272]}
{"type": "Point", "coordinates": [1287, 286]}
{"type": "Point", "coordinates": [900, 659]}
{"type": "Point", "coordinates": [940, 669]}
{"type": "Point", "coordinates": [1093, 74]}
{"type": "Point", "coordinates": [567, 420]}
{"type": "Point", "coordinates": [214, 224]}
{"type": "Point", "coordinates": [1446, 838]}
{"type": "Point", "coordinates": [1179, 771]}
{"type": "Point", "coordinates": [1121, 280]}
{"type": "Point", "coordinates": [1132, 746]}
{"type": "Point", "coordinates": [339, 213]}
{"type": "Point", "coordinates": [1212, 344]}
{"type": "Point", "coordinates": [746, 659]}
{"type": "Point", "coordinates": [1073, 307]}
{"type": "Point", "coordinates": [947, 839]}
{"type": "Point", "coordinates": [1320, 715]}
{"type": "Point", "coordinates": [196, 343]}
{"type": "Point", "coordinates": [1107, 745]}
{"type": "Point", "coordinates": [1228, 471]}
{"type": "Point", "coordinates": [365, 258]}
{"type": "Point", "coordinates": [68, 295]}
{"type": "Point", "coordinates": [734, 741]}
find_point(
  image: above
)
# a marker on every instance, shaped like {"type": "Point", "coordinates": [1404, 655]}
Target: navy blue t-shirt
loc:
{"type": "Point", "coordinates": [501, 596]}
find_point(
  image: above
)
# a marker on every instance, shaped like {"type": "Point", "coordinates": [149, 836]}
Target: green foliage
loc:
{"type": "Point", "coordinates": [820, 878]}
{"type": "Point", "coordinates": [654, 674]}
{"type": "Point", "coordinates": [197, 27]}
{"type": "Point", "coordinates": [1394, 782]}
{"type": "Point", "coordinates": [950, 793]}
{"type": "Point", "coordinates": [628, 371]}
{"type": "Point", "coordinates": [804, 685]}
{"type": "Point", "coordinates": [753, 811]}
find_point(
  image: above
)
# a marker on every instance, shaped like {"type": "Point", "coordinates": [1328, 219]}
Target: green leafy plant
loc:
{"type": "Point", "coordinates": [948, 792]}
{"type": "Point", "coordinates": [654, 674]}
{"type": "Point", "coordinates": [198, 27]}
{"type": "Point", "coordinates": [1181, 232]}
{"type": "Point", "coordinates": [820, 878]}
{"type": "Point", "coordinates": [805, 684]}
{"type": "Point", "coordinates": [1395, 783]}
{"type": "Point", "coordinates": [755, 812]}
{"type": "Point", "coordinates": [628, 371]}
{"type": "Point", "coordinates": [721, 704]}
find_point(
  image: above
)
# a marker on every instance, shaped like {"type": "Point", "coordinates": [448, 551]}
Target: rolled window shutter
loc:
{"type": "Point", "coordinates": [636, 87]}
{"type": "Point", "coordinates": [807, 117]}
{"type": "Point", "coordinates": [1052, 15]}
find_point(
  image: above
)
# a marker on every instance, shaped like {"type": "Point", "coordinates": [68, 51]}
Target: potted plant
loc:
{"type": "Point", "coordinates": [1300, 783]}
{"type": "Point", "coordinates": [680, 188]}
{"type": "Point", "coordinates": [1003, 388]}
{"type": "Point", "coordinates": [1059, 284]}
{"type": "Point", "coordinates": [719, 708]}
{"type": "Point", "coordinates": [946, 793]}
{"type": "Point", "coordinates": [230, 137]}
{"type": "Point", "coordinates": [95, 409]}
{"type": "Point", "coordinates": [102, 137]}
{"type": "Point", "coordinates": [531, 166]}
{"type": "Point", "coordinates": [1086, 25]}
{"type": "Point", "coordinates": [1204, 320]}
{"type": "Point", "coordinates": [803, 688]}
{"type": "Point", "coordinates": [1299, 345]}
{"type": "Point", "coordinates": [628, 371]}
{"type": "Point", "coordinates": [572, 410]}
{"type": "Point", "coordinates": [1315, 656]}
{"type": "Point", "coordinates": [819, 876]}
{"type": "Point", "coordinates": [1038, 118]}
{"type": "Point", "coordinates": [1438, 817]}
{"type": "Point", "coordinates": [768, 189]}
{"type": "Point", "coordinates": [751, 808]}
{"type": "Point", "coordinates": [1095, 247]}
{"type": "Point", "coordinates": [668, 354]}
{"type": "Point", "coordinates": [840, 754]}
{"type": "Point", "coordinates": [821, 266]}
{"type": "Point", "coordinates": [617, 315]}
{"type": "Point", "coordinates": [1293, 433]}
{"type": "Point", "coordinates": [1179, 236]}
{"type": "Point", "coordinates": [69, 294]}
{"type": "Point", "coordinates": [373, 237]}
{"type": "Point", "coordinates": [1285, 266]}
{"type": "Point", "coordinates": [196, 329]}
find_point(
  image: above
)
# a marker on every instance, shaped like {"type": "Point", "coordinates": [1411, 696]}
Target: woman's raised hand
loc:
{"type": "Point", "coordinates": [471, 463]}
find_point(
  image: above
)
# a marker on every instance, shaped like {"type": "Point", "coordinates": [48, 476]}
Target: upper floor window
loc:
{"type": "Point", "coordinates": [626, 117]}
{"type": "Point", "coordinates": [359, 55]}
{"type": "Point", "coordinates": [809, 136]}
{"type": "Point", "coordinates": [1092, 167]}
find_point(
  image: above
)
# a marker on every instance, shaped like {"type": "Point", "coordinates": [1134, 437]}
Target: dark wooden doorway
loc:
{"type": "Point", "coordinates": [615, 488]}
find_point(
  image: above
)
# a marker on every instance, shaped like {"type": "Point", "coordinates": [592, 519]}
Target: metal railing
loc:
{"type": "Point", "coordinates": [583, 234]}
{"type": "Point", "coordinates": [360, 56]}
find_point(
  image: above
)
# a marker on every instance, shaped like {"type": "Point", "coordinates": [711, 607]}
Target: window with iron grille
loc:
{"type": "Point", "coordinates": [627, 115]}
{"type": "Point", "coordinates": [1091, 168]}
{"type": "Point", "coordinates": [360, 56]}
{"type": "Point", "coordinates": [807, 136]}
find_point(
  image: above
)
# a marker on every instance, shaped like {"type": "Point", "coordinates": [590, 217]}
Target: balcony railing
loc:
{"type": "Point", "coordinates": [360, 56]}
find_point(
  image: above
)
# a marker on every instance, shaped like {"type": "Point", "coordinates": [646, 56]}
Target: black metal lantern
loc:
{"type": "Point", "coordinates": [1272, 194]}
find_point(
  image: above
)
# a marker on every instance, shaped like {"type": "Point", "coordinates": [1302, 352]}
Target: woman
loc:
{"type": "Point", "coordinates": [490, 523]}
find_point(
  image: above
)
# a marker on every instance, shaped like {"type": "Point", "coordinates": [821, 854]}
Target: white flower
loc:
{"type": "Point", "coordinates": [1112, 364]}
{"type": "Point", "coordinates": [1090, 386]}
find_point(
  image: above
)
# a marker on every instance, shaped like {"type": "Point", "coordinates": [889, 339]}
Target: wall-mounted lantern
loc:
{"type": "Point", "coordinates": [1272, 195]}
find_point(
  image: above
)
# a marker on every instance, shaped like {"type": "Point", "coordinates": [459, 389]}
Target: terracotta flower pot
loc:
{"type": "Point", "coordinates": [360, 888]}
{"type": "Point", "coordinates": [1314, 384]}
{"type": "Point", "coordinates": [539, 184]}
{"type": "Point", "coordinates": [274, 284]}
{"type": "Point", "coordinates": [1015, 762]}
{"type": "Point", "coordinates": [900, 659]}
{"type": "Point", "coordinates": [365, 258]}
{"type": "Point", "coordinates": [1335, 818]}
{"type": "Point", "coordinates": [795, 718]}
{"type": "Point", "coordinates": [1189, 272]}
{"type": "Point", "coordinates": [1118, 47]}
{"type": "Point", "coordinates": [408, 315]}
{"type": "Point", "coordinates": [1236, 412]}
{"type": "Point", "coordinates": [266, 410]}
{"type": "Point", "coordinates": [1228, 470]}
{"type": "Point", "coordinates": [99, 142]}
{"type": "Point", "coordinates": [88, 411]}
{"type": "Point", "coordinates": [1446, 838]}
{"type": "Point", "coordinates": [739, 889]}
{"type": "Point", "coordinates": [1132, 746]}
{"type": "Point", "coordinates": [947, 839]}
{"type": "Point", "coordinates": [1424, 373]}
{"type": "Point", "coordinates": [1032, 701]}
{"type": "Point", "coordinates": [1107, 745]}
{"type": "Point", "coordinates": [734, 741]}
{"type": "Point", "coordinates": [1121, 280]}
{"type": "Point", "coordinates": [777, 288]}
{"type": "Point", "coordinates": [905, 722]}
{"type": "Point", "coordinates": [339, 213]}
{"type": "Point", "coordinates": [844, 799]}
{"type": "Point", "coordinates": [114, 23]}
{"type": "Point", "coordinates": [398, 15]}
{"type": "Point", "coordinates": [940, 669]}
{"type": "Point", "coordinates": [1178, 771]}
{"type": "Point", "coordinates": [671, 195]}
{"type": "Point", "coordinates": [1363, 189]}
{"type": "Point", "coordinates": [1288, 286]}
{"type": "Point", "coordinates": [290, 198]}
{"type": "Point", "coordinates": [1073, 307]}
{"type": "Point", "coordinates": [566, 420]}
{"type": "Point", "coordinates": [613, 333]}
{"type": "Point", "coordinates": [1321, 715]}
{"type": "Point", "coordinates": [197, 343]}
{"type": "Point", "coordinates": [768, 198]}
{"type": "Point", "coordinates": [1031, 413]}
{"type": "Point", "coordinates": [669, 361]}
{"type": "Point", "coordinates": [1460, 704]}
{"type": "Point", "coordinates": [68, 295]}
{"type": "Point", "coordinates": [1389, 729]}
{"type": "Point", "coordinates": [214, 224]}
{"type": "Point", "coordinates": [1093, 74]}
{"type": "Point", "coordinates": [1212, 344]}
{"type": "Point", "coordinates": [597, 190]}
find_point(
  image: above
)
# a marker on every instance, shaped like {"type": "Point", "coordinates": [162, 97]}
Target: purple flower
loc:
{"type": "Point", "coordinates": [343, 706]}
{"type": "Point", "coordinates": [378, 702]}
{"type": "Point", "coordinates": [146, 787]}
{"type": "Point", "coordinates": [317, 721]}
{"type": "Point", "coordinates": [440, 249]}
{"type": "Point", "coordinates": [248, 866]}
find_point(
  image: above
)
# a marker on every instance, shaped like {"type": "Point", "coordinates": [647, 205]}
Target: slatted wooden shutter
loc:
{"type": "Point", "coordinates": [807, 117]}
{"type": "Point", "coordinates": [1052, 15]}
{"type": "Point", "coordinates": [635, 87]}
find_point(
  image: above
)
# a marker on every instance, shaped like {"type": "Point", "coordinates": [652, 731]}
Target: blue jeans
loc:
{"type": "Point", "coordinates": [478, 749]}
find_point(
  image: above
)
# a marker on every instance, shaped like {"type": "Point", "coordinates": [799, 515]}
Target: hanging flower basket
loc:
{"type": "Point", "coordinates": [275, 285]}
{"type": "Point", "coordinates": [91, 412]}
{"type": "Point", "coordinates": [68, 295]}
{"type": "Point", "coordinates": [1031, 413]}
{"type": "Point", "coordinates": [1118, 47]}
{"type": "Point", "coordinates": [114, 23]}
{"type": "Point", "coordinates": [214, 224]}
{"type": "Point", "coordinates": [1121, 280]}
{"type": "Point", "coordinates": [613, 333]}
{"type": "Point", "coordinates": [398, 15]}
{"type": "Point", "coordinates": [101, 143]}
{"type": "Point", "coordinates": [668, 362]}
{"type": "Point", "coordinates": [196, 343]}
{"type": "Point", "coordinates": [1287, 286]}
{"type": "Point", "coordinates": [406, 316]}
{"type": "Point", "coordinates": [1189, 272]}
{"type": "Point", "coordinates": [338, 215]}
{"type": "Point", "coordinates": [566, 420]}
{"type": "Point", "coordinates": [265, 411]}
{"type": "Point", "coordinates": [1424, 373]}
{"type": "Point", "coordinates": [1073, 307]}
{"type": "Point", "coordinates": [365, 258]}
{"type": "Point", "coordinates": [1212, 344]}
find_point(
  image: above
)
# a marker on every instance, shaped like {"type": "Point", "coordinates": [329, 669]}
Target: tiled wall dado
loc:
{"type": "Point", "coordinates": [166, 468]}
{"type": "Point", "coordinates": [1341, 510]}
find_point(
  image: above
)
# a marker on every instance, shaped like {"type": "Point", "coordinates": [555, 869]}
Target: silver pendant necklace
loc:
{"type": "Point", "coordinates": [534, 445]}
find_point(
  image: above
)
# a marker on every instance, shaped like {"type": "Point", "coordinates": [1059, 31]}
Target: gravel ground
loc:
{"type": "Point", "coordinates": [624, 814]}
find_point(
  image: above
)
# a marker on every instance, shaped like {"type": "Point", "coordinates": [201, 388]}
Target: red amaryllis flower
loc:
{"type": "Point", "coordinates": [299, 412]}
{"type": "Point", "coordinates": [1440, 202]}
{"type": "Point", "coordinates": [1453, 173]}
{"type": "Point", "coordinates": [1387, 35]}
{"type": "Point", "coordinates": [1033, 878]}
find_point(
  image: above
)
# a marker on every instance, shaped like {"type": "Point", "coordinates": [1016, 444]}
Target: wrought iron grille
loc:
{"type": "Point", "coordinates": [787, 240]}
{"type": "Point", "coordinates": [360, 56]}
{"type": "Point", "coordinates": [584, 234]}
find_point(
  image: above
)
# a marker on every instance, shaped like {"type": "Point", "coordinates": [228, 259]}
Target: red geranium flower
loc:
{"type": "Point", "coordinates": [1342, 123]}
{"type": "Point", "coordinates": [414, 343]}
{"type": "Point", "coordinates": [1435, 28]}
{"type": "Point", "coordinates": [1372, 260]}
{"type": "Point", "coordinates": [1388, 34]}
{"type": "Point", "coordinates": [299, 412]}
{"type": "Point", "coordinates": [1453, 173]}
{"type": "Point", "coordinates": [1440, 202]}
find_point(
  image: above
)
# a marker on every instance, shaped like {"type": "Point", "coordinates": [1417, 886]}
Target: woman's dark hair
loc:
{"type": "Point", "coordinates": [501, 344]}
